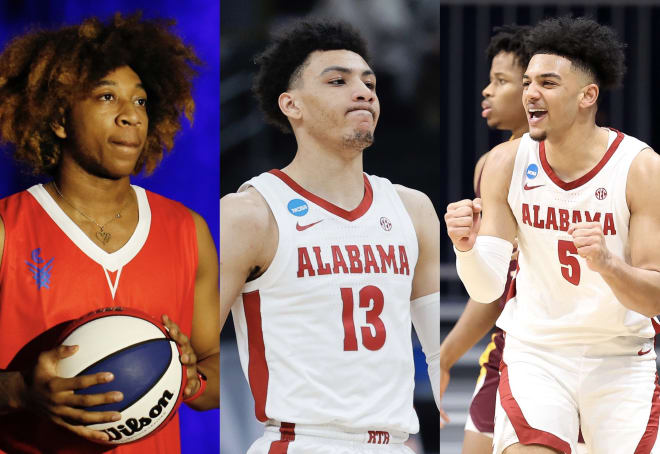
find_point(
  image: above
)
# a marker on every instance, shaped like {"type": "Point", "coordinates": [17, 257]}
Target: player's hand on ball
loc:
{"type": "Point", "coordinates": [53, 396]}
{"type": "Point", "coordinates": [590, 243]}
{"type": "Point", "coordinates": [463, 219]}
{"type": "Point", "coordinates": [188, 357]}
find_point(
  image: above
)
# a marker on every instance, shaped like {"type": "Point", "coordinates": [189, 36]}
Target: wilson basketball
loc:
{"type": "Point", "coordinates": [144, 360]}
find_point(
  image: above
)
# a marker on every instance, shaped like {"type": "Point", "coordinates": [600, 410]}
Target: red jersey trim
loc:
{"type": "Point", "coordinates": [352, 215]}
{"type": "Point", "coordinates": [527, 435]}
{"type": "Point", "coordinates": [257, 366]}
{"type": "Point", "coordinates": [651, 433]}
{"type": "Point", "coordinates": [281, 446]}
{"type": "Point", "coordinates": [586, 177]}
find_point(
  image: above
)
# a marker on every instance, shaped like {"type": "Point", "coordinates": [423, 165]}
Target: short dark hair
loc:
{"type": "Point", "coordinates": [591, 47]}
{"type": "Point", "coordinates": [43, 72]}
{"type": "Point", "coordinates": [282, 62]}
{"type": "Point", "coordinates": [512, 39]}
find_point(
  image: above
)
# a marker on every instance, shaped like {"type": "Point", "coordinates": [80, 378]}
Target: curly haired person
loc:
{"type": "Point", "coordinates": [323, 266]}
{"type": "Point", "coordinates": [90, 105]}
{"type": "Point", "coordinates": [581, 312]}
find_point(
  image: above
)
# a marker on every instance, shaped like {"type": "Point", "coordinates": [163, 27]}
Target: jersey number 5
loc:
{"type": "Point", "coordinates": [370, 340]}
{"type": "Point", "coordinates": [570, 267]}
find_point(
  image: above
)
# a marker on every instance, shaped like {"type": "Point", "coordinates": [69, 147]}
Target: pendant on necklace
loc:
{"type": "Point", "coordinates": [103, 237]}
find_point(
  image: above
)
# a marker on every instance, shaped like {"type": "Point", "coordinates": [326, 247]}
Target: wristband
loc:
{"type": "Point", "coordinates": [484, 268]}
{"type": "Point", "coordinates": [200, 391]}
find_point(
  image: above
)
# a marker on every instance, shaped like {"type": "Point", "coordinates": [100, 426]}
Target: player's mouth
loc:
{"type": "Point", "coordinates": [365, 110]}
{"type": "Point", "coordinates": [486, 109]}
{"type": "Point", "coordinates": [535, 116]}
{"type": "Point", "coordinates": [126, 143]}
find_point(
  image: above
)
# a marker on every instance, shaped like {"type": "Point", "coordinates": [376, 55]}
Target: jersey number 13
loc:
{"type": "Point", "coordinates": [366, 296]}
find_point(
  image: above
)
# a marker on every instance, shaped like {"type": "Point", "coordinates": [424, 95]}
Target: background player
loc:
{"type": "Point", "coordinates": [503, 109]}
{"type": "Point", "coordinates": [91, 129]}
{"type": "Point", "coordinates": [581, 302]}
{"type": "Point", "coordinates": [314, 81]}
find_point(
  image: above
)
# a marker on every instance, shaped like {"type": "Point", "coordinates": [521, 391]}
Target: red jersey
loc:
{"type": "Point", "coordinates": [51, 273]}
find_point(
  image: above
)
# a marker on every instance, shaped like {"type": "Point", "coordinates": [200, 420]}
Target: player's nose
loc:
{"type": "Point", "coordinates": [487, 91]}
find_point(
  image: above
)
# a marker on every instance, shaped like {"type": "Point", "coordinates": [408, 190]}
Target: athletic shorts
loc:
{"type": "Point", "coordinates": [298, 439]}
{"type": "Point", "coordinates": [481, 417]}
{"type": "Point", "coordinates": [610, 390]}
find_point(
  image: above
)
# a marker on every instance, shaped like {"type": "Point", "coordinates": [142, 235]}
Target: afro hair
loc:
{"type": "Point", "coordinates": [43, 72]}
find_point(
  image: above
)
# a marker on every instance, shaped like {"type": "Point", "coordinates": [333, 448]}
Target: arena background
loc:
{"type": "Point", "coordinates": [404, 44]}
{"type": "Point", "coordinates": [190, 174]}
{"type": "Point", "coordinates": [465, 29]}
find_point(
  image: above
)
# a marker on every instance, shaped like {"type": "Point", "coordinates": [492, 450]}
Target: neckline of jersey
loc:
{"type": "Point", "coordinates": [351, 215]}
{"type": "Point", "coordinates": [567, 186]}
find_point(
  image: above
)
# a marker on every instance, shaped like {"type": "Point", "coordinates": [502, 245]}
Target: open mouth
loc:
{"type": "Point", "coordinates": [536, 115]}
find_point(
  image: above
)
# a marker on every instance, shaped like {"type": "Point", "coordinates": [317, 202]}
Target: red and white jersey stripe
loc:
{"type": "Point", "coordinates": [324, 335]}
{"type": "Point", "coordinates": [557, 299]}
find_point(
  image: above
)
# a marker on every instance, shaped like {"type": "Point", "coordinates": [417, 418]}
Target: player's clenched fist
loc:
{"type": "Point", "coordinates": [462, 220]}
{"type": "Point", "coordinates": [590, 243]}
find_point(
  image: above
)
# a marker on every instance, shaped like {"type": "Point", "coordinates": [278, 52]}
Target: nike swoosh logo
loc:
{"type": "Point", "coordinates": [642, 353]}
{"type": "Point", "coordinates": [300, 228]}
{"type": "Point", "coordinates": [527, 188]}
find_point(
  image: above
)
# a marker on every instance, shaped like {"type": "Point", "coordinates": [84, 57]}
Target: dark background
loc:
{"type": "Point", "coordinates": [465, 29]}
{"type": "Point", "coordinates": [190, 174]}
{"type": "Point", "coordinates": [404, 44]}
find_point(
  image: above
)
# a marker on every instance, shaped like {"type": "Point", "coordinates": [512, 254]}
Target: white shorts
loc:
{"type": "Point", "coordinates": [298, 439]}
{"type": "Point", "coordinates": [609, 389]}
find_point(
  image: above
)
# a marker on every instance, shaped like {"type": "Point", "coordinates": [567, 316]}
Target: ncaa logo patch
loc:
{"type": "Point", "coordinates": [532, 171]}
{"type": "Point", "coordinates": [601, 193]}
{"type": "Point", "coordinates": [297, 207]}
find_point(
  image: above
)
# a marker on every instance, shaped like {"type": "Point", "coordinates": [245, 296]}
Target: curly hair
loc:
{"type": "Point", "coordinates": [591, 47]}
{"type": "Point", "coordinates": [282, 63]}
{"type": "Point", "coordinates": [43, 72]}
{"type": "Point", "coordinates": [511, 39]}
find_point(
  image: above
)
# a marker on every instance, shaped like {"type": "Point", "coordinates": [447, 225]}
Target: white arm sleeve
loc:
{"type": "Point", "coordinates": [425, 314]}
{"type": "Point", "coordinates": [483, 269]}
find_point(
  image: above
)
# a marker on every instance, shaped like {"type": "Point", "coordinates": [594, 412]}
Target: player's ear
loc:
{"type": "Point", "coordinates": [589, 95]}
{"type": "Point", "coordinates": [289, 105]}
{"type": "Point", "coordinates": [58, 128]}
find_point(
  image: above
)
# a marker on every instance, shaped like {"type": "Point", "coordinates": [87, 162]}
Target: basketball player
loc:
{"type": "Point", "coordinates": [90, 105]}
{"type": "Point", "coordinates": [578, 197]}
{"type": "Point", "coordinates": [503, 109]}
{"type": "Point", "coordinates": [323, 266]}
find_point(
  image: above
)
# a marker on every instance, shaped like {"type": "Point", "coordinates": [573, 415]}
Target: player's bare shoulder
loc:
{"type": "Point", "coordinates": [418, 204]}
{"type": "Point", "coordinates": [246, 211]}
{"type": "Point", "coordinates": [422, 213]}
{"type": "Point", "coordinates": [498, 168]}
{"type": "Point", "coordinates": [643, 181]}
{"type": "Point", "coordinates": [248, 227]}
{"type": "Point", "coordinates": [503, 156]}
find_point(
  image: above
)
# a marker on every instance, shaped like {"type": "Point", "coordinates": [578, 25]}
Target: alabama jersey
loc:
{"type": "Point", "coordinates": [557, 299]}
{"type": "Point", "coordinates": [51, 273]}
{"type": "Point", "coordinates": [324, 334]}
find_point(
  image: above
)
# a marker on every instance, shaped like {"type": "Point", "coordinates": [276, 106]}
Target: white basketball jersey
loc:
{"type": "Point", "coordinates": [324, 335]}
{"type": "Point", "coordinates": [557, 298]}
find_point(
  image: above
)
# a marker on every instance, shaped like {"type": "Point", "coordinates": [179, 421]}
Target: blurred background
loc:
{"type": "Point", "coordinates": [190, 174]}
{"type": "Point", "coordinates": [465, 29]}
{"type": "Point", "coordinates": [404, 44]}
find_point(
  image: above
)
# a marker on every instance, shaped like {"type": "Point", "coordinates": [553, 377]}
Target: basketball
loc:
{"type": "Point", "coordinates": [144, 360]}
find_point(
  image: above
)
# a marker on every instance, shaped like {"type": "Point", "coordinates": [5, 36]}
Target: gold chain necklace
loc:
{"type": "Point", "coordinates": [102, 236]}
